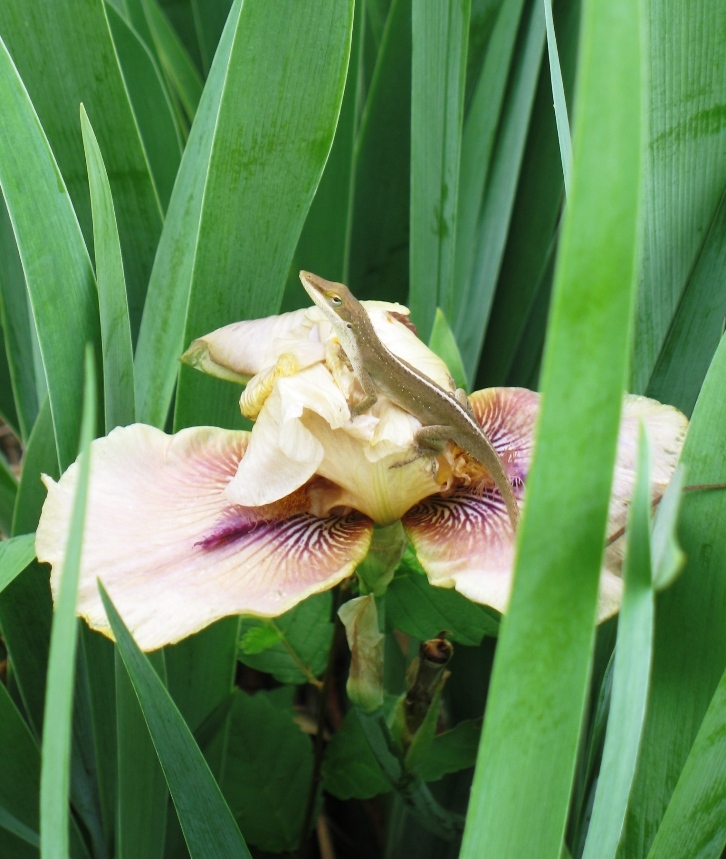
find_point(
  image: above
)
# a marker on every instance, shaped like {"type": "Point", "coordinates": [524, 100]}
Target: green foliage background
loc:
{"type": "Point", "coordinates": [410, 149]}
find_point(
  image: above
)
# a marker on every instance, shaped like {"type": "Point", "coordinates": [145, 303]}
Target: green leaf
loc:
{"type": "Point", "coordinates": [684, 173]}
{"type": "Point", "coordinates": [694, 825]}
{"type": "Point", "coordinates": [242, 215]}
{"type": "Point", "coordinates": [550, 620]}
{"type": "Point", "coordinates": [324, 242]}
{"type": "Point", "coordinates": [257, 639]}
{"type": "Point", "coordinates": [278, 126]}
{"type": "Point", "coordinates": [668, 557]}
{"type": "Point", "coordinates": [40, 458]}
{"type": "Point", "coordinates": [151, 104]}
{"type": "Point", "coordinates": [208, 825]}
{"type": "Point", "coordinates": [438, 76]}
{"type": "Point", "coordinates": [526, 269]}
{"type": "Point", "coordinates": [558, 95]}
{"type": "Point", "coordinates": [25, 604]}
{"type": "Point", "coordinates": [302, 638]}
{"type": "Point", "coordinates": [477, 145]}
{"type": "Point", "coordinates": [629, 696]}
{"type": "Point", "coordinates": [15, 555]}
{"type": "Point", "coordinates": [451, 751]}
{"type": "Point", "coordinates": [490, 230]}
{"type": "Point", "coordinates": [350, 769]}
{"type": "Point", "coordinates": [143, 796]}
{"type": "Point", "coordinates": [21, 341]}
{"type": "Point", "coordinates": [57, 269]}
{"type": "Point", "coordinates": [56, 757]}
{"type": "Point", "coordinates": [209, 19]}
{"type": "Point", "coordinates": [423, 611]}
{"type": "Point", "coordinates": [697, 324]}
{"type": "Point", "coordinates": [691, 611]}
{"type": "Point", "coordinates": [74, 40]}
{"type": "Point", "coordinates": [443, 343]}
{"type": "Point", "coordinates": [8, 412]}
{"type": "Point", "coordinates": [268, 772]}
{"type": "Point", "coordinates": [177, 63]}
{"type": "Point", "coordinates": [8, 495]}
{"type": "Point", "coordinates": [118, 358]}
{"type": "Point", "coordinates": [378, 263]}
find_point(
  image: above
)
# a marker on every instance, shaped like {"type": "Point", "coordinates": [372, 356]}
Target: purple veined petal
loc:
{"type": "Point", "coordinates": [465, 541]}
{"type": "Point", "coordinates": [172, 551]}
{"type": "Point", "coordinates": [508, 417]}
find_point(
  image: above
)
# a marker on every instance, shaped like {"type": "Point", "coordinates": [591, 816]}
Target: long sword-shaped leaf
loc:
{"type": "Point", "coordinates": [15, 555]}
{"type": "Point", "coordinates": [209, 19]}
{"type": "Point", "coordinates": [49, 37]}
{"type": "Point", "coordinates": [151, 103]}
{"type": "Point", "coordinates": [209, 827]}
{"type": "Point", "coordinates": [56, 264]}
{"type": "Point", "coordinates": [631, 676]}
{"type": "Point", "coordinates": [55, 767]}
{"type": "Point", "coordinates": [8, 495]}
{"type": "Point", "coordinates": [272, 139]}
{"type": "Point", "coordinates": [118, 358]}
{"type": "Point", "coordinates": [18, 331]}
{"type": "Point", "coordinates": [539, 683]}
{"type": "Point", "coordinates": [532, 228]}
{"type": "Point", "coordinates": [558, 95]}
{"type": "Point", "coordinates": [440, 31]}
{"type": "Point", "coordinates": [491, 229]}
{"type": "Point", "coordinates": [477, 144]}
{"type": "Point", "coordinates": [685, 166]}
{"type": "Point", "coordinates": [697, 325]}
{"type": "Point", "coordinates": [177, 63]}
{"type": "Point", "coordinates": [378, 263]}
{"type": "Point", "coordinates": [694, 826]}
{"type": "Point", "coordinates": [690, 648]}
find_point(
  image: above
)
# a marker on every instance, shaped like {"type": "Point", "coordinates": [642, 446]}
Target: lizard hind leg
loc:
{"type": "Point", "coordinates": [430, 441]}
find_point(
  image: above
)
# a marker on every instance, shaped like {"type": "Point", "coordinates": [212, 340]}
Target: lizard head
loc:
{"type": "Point", "coordinates": [336, 301]}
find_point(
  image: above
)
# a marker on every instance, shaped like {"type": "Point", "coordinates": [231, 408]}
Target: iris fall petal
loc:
{"type": "Point", "coordinates": [173, 552]}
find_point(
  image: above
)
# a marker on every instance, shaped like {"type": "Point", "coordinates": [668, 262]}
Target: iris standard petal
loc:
{"type": "Point", "coordinates": [241, 350]}
{"type": "Point", "coordinates": [173, 552]}
{"type": "Point", "coordinates": [283, 453]}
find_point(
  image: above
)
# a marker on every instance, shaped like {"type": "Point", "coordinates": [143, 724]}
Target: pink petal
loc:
{"type": "Point", "coordinates": [174, 553]}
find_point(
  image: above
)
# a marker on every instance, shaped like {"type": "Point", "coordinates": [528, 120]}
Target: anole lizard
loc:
{"type": "Point", "coordinates": [443, 415]}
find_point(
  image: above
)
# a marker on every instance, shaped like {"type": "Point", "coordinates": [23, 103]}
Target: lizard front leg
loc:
{"type": "Point", "coordinates": [370, 395]}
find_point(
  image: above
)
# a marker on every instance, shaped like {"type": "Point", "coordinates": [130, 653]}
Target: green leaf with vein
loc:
{"type": "Point", "coordinates": [438, 76]}
{"type": "Point", "coordinates": [293, 647]}
{"type": "Point", "coordinates": [8, 495]}
{"type": "Point", "coordinates": [177, 63]}
{"type": "Point", "coordinates": [494, 215]}
{"type": "Point", "coordinates": [629, 696]}
{"type": "Point", "coordinates": [15, 555]}
{"type": "Point", "coordinates": [685, 169]}
{"type": "Point", "coordinates": [118, 358]}
{"type": "Point", "coordinates": [269, 766]}
{"type": "Point", "coordinates": [56, 749]}
{"type": "Point", "coordinates": [74, 40]}
{"type": "Point", "coordinates": [57, 269]}
{"type": "Point", "coordinates": [443, 343]}
{"type": "Point", "coordinates": [550, 618]}
{"type": "Point", "coordinates": [423, 611]}
{"type": "Point", "coordinates": [694, 825]}
{"type": "Point", "coordinates": [151, 104]}
{"type": "Point", "coordinates": [27, 379]}
{"type": "Point", "coordinates": [685, 678]}
{"type": "Point", "coordinates": [206, 820]}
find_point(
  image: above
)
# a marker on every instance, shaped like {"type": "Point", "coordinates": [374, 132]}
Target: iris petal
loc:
{"type": "Point", "coordinates": [174, 553]}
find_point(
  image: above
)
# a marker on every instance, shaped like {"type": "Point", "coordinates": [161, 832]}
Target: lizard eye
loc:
{"type": "Point", "coordinates": [336, 300]}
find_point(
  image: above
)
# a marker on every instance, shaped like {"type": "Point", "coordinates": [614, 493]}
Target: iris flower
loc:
{"type": "Point", "coordinates": [189, 528]}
